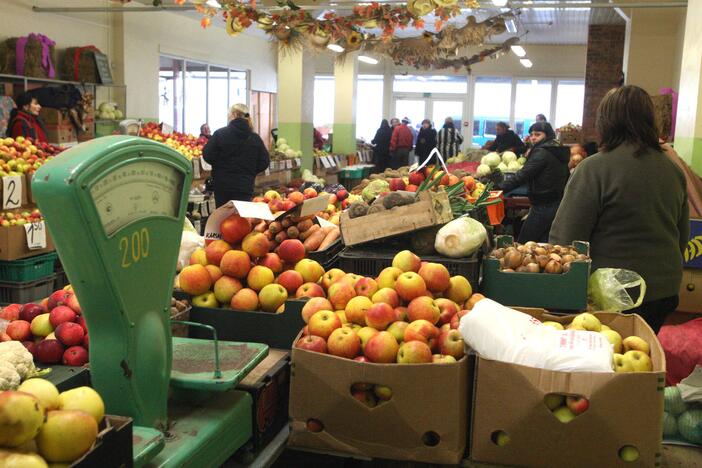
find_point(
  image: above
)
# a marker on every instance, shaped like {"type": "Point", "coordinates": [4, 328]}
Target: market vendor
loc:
{"type": "Point", "coordinates": [545, 173]}
{"type": "Point", "coordinates": [629, 201]}
{"type": "Point", "coordinates": [25, 120]}
{"type": "Point", "coordinates": [236, 155]}
{"type": "Point", "coordinates": [506, 140]}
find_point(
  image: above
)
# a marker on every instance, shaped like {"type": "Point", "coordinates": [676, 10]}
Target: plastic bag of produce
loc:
{"type": "Point", "coordinates": [502, 334]}
{"type": "Point", "coordinates": [607, 289]}
{"type": "Point", "coordinates": [682, 345]}
{"type": "Point", "coordinates": [189, 241]}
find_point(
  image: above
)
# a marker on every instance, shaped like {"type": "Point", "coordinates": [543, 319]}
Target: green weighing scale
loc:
{"type": "Point", "coordinates": [115, 208]}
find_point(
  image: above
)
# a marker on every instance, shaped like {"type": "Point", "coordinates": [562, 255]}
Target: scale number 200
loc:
{"type": "Point", "coordinates": [134, 248]}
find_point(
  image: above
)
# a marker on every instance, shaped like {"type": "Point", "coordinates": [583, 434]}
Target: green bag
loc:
{"type": "Point", "coordinates": [608, 289]}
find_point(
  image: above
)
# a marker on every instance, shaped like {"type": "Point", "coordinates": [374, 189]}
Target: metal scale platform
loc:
{"type": "Point", "coordinates": [115, 208]}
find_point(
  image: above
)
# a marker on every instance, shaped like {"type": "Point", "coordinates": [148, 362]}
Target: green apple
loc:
{"type": "Point", "coordinates": [554, 400]}
{"type": "Point", "coordinates": [622, 364]}
{"type": "Point", "coordinates": [501, 438]}
{"type": "Point", "coordinates": [564, 414]}
{"type": "Point", "coordinates": [41, 326]}
{"type": "Point", "coordinates": [629, 453]}
{"type": "Point", "coordinates": [639, 361]}
{"type": "Point", "coordinates": [207, 299]}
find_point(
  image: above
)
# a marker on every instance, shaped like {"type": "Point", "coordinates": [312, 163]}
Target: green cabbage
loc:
{"type": "Point", "coordinates": [521, 161]}
{"type": "Point", "coordinates": [373, 189]}
{"type": "Point", "coordinates": [672, 401]}
{"type": "Point", "coordinates": [670, 425]}
{"type": "Point", "coordinates": [462, 237]}
{"type": "Point", "coordinates": [508, 157]}
{"type": "Point", "coordinates": [491, 159]}
{"type": "Point", "coordinates": [483, 170]}
{"type": "Point", "coordinates": [690, 425]}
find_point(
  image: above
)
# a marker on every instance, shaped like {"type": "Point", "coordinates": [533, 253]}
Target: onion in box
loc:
{"type": "Point", "coordinates": [461, 237]}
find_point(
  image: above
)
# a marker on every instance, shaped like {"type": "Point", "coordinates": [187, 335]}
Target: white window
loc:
{"type": "Point", "coordinates": [492, 104]}
{"type": "Point", "coordinates": [369, 105]}
{"type": "Point", "coordinates": [445, 84]}
{"type": "Point", "coordinates": [570, 99]}
{"type": "Point", "coordinates": [532, 97]}
{"type": "Point", "coordinates": [323, 113]}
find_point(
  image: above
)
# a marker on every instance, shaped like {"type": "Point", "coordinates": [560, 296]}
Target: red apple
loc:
{"type": "Point", "coordinates": [366, 287]}
{"type": "Point", "coordinates": [86, 341]}
{"type": "Point", "coordinates": [75, 356]}
{"type": "Point", "coordinates": [323, 323]}
{"type": "Point", "coordinates": [291, 250]}
{"type": "Point", "coordinates": [381, 348]}
{"type": "Point", "coordinates": [50, 351]}
{"type": "Point", "coordinates": [340, 293]}
{"type": "Point", "coordinates": [69, 334]}
{"type": "Point", "coordinates": [425, 308]}
{"type": "Point", "coordinates": [577, 404]}
{"type": "Point", "coordinates": [436, 276]}
{"type": "Point", "coordinates": [422, 330]}
{"type": "Point", "coordinates": [31, 347]}
{"type": "Point", "coordinates": [456, 319]}
{"type": "Point", "coordinates": [361, 359]}
{"type": "Point", "coordinates": [447, 309]}
{"type": "Point", "coordinates": [414, 352]}
{"type": "Point", "coordinates": [313, 306]}
{"type": "Point", "coordinates": [396, 184]}
{"type": "Point", "coordinates": [216, 250]}
{"type": "Point", "coordinates": [387, 296]}
{"type": "Point", "coordinates": [410, 285]}
{"type": "Point", "coordinates": [272, 261]}
{"type": "Point", "coordinates": [344, 342]}
{"type": "Point", "coordinates": [416, 178]}
{"type": "Point", "coordinates": [74, 304]}
{"type": "Point", "coordinates": [451, 343]}
{"type": "Point", "coordinates": [10, 312]}
{"type": "Point", "coordinates": [380, 315]}
{"type": "Point", "coordinates": [31, 310]}
{"type": "Point", "coordinates": [81, 321]}
{"type": "Point", "coordinates": [290, 280]}
{"type": "Point", "coordinates": [61, 314]}
{"type": "Point", "coordinates": [58, 298]}
{"type": "Point", "coordinates": [19, 330]}
{"type": "Point", "coordinates": [312, 343]}
{"type": "Point", "coordinates": [310, 290]}
{"type": "Point", "coordinates": [234, 229]}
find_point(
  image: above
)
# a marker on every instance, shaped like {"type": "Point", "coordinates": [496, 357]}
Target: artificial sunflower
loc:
{"type": "Point", "coordinates": [354, 40]}
{"type": "Point", "coordinates": [234, 27]}
{"type": "Point", "coordinates": [445, 3]}
{"type": "Point", "coordinates": [420, 8]}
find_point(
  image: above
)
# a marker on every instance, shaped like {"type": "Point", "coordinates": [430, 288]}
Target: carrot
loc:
{"type": "Point", "coordinates": [302, 226]}
{"type": "Point", "coordinates": [329, 239]}
{"type": "Point", "coordinates": [309, 232]}
{"type": "Point", "coordinates": [312, 243]}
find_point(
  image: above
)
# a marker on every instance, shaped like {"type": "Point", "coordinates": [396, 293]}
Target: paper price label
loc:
{"type": "Point", "coordinates": [11, 192]}
{"type": "Point", "coordinates": [298, 161]}
{"type": "Point", "coordinates": [205, 165]}
{"type": "Point", "coordinates": [288, 164]}
{"type": "Point", "coordinates": [36, 235]}
{"type": "Point", "coordinates": [325, 162]}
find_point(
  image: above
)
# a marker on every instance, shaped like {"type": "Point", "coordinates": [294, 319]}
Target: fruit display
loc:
{"type": "Point", "coordinates": [409, 314]}
{"type": "Point", "coordinates": [681, 420]}
{"type": "Point", "coordinates": [109, 111]}
{"type": "Point", "coordinates": [496, 162]}
{"type": "Point", "coordinates": [280, 203]}
{"type": "Point", "coordinates": [283, 151]}
{"type": "Point", "coordinates": [310, 178]}
{"type": "Point", "coordinates": [23, 156]}
{"type": "Point", "coordinates": [19, 217]}
{"type": "Point", "coordinates": [40, 426]}
{"type": "Point", "coordinates": [186, 144]}
{"type": "Point", "coordinates": [533, 257]}
{"type": "Point", "coordinates": [53, 331]}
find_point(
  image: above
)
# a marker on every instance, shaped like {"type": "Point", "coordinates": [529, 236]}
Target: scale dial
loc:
{"type": "Point", "coordinates": [138, 190]}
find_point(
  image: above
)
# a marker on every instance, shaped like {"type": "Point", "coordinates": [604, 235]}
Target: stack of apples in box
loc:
{"type": "Point", "coordinates": [279, 203]}
{"type": "Point", "coordinates": [409, 314]}
{"type": "Point", "coordinates": [186, 144]}
{"type": "Point", "coordinates": [19, 217]}
{"type": "Point", "coordinates": [23, 155]}
{"type": "Point", "coordinates": [54, 330]}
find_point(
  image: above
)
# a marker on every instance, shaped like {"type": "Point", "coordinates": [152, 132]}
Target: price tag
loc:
{"type": "Point", "coordinates": [288, 164]}
{"type": "Point", "coordinates": [325, 162]}
{"type": "Point", "coordinates": [298, 161]}
{"type": "Point", "coordinates": [196, 170]}
{"type": "Point", "coordinates": [11, 192]}
{"type": "Point", "coordinates": [212, 205]}
{"type": "Point", "coordinates": [338, 160]}
{"type": "Point", "coordinates": [36, 235]}
{"type": "Point", "coordinates": [205, 165]}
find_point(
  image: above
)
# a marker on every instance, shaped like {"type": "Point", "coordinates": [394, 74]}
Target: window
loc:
{"type": "Point", "coordinates": [430, 84]}
{"type": "Point", "coordinates": [569, 102]}
{"type": "Point", "coordinates": [369, 105]}
{"type": "Point", "coordinates": [323, 113]}
{"type": "Point", "coordinates": [492, 104]}
{"type": "Point", "coordinates": [532, 97]}
{"type": "Point", "coordinates": [193, 93]}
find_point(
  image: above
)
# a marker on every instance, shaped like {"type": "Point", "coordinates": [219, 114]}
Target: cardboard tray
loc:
{"type": "Point", "coordinates": [429, 401]}
{"type": "Point", "coordinates": [567, 291]}
{"type": "Point", "coordinates": [13, 244]}
{"type": "Point", "coordinates": [625, 409]}
{"type": "Point", "coordinates": [431, 209]}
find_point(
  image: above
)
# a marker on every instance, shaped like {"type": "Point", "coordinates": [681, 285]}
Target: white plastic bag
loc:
{"type": "Point", "coordinates": [503, 334]}
{"type": "Point", "coordinates": [189, 242]}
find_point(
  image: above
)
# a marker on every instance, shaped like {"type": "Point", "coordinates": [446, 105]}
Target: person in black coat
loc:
{"type": "Point", "coordinates": [507, 140]}
{"type": "Point", "coordinates": [426, 141]}
{"type": "Point", "coordinates": [545, 173]}
{"type": "Point", "coordinates": [236, 155]}
{"type": "Point", "coordinates": [381, 151]}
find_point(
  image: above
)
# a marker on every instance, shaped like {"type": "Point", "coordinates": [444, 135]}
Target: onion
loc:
{"type": "Point", "coordinates": [566, 267]}
{"type": "Point", "coordinates": [553, 267]}
{"type": "Point", "coordinates": [508, 270]}
{"type": "Point", "coordinates": [533, 268]}
{"type": "Point", "coordinates": [555, 257]}
{"type": "Point", "coordinates": [521, 269]}
{"type": "Point", "coordinates": [531, 244]}
{"type": "Point", "coordinates": [513, 259]}
{"type": "Point", "coordinates": [498, 253]}
{"type": "Point", "coordinates": [581, 257]}
{"type": "Point", "coordinates": [528, 258]}
{"type": "Point", "coordinates": [567, 258]}
{"type": "Point", "coordinates": [540, 251]}
{"type": "Point", "coordinates": [502, 262]}
{"type": "Point", "coordinates": [523, 249]}
{"type": "Point", "coordinates": [542, 261]}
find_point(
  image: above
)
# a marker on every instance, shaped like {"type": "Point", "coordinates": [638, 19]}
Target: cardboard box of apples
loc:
{"type": "Point", "coordinates": [535, 417]}
{"type": "Point", "coordinates": [373, 357]}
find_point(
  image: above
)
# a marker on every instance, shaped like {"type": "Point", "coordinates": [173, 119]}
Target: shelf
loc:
{"type": "Point", "coordinates": [50, 80]}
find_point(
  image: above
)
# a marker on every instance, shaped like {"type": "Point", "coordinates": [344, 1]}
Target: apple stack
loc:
{"type": "Point", "coordinates": [278, 203]}
{"type": "Point", "coordinates": [39, 425]}
{"type": "Point", "coordinates": [186, 144]}
{"type": "Point", "coordinates": [54, 331]}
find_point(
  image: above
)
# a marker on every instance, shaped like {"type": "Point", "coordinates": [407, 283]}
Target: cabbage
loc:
{"type": "Point", "coordinates": [491, 159]}
{"type": "Point", "coordinates": [483, 170]}
{"type": "Point", "coordinates": [374, 188]}
{"type": "Point", "coordinates": [290, 153]}
{"type": "Point", "coordinates": [672, 401]}
{"type": "Point", "coordinates": [106, 107]}
{"type": "Point", "coordinates": [461, 237]}
{"type": "Point", "coordinates": [521, 161]}
{"type": "Point", "coordinates": [283, 148]}
{"type": "Point", "coordinates": [282, 141]}
{"type": "Point", "coordinates": [690, 425]}
{"type": "Point", "coordinates": [513, 166]}
{"type": "Point", "coordinates": [670, 425]}
{"type": "Point", "coordinates": [298, 154]}
{"type": "Point", "coordinates": [118, 114]}
{"type": "Point", "coordinates": [508, 157]}
{"type": "Point", "coordinates": [502, 167]}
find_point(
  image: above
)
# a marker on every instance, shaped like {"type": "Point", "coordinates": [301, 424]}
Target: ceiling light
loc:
{"type": "Point", "coordinates": [518, 51]}
{"type": "Point", "coordinates": [499, 3]}
{"type": "Point", "coordinates": [511, 26]}
{"type": "Point", "coordinates": [526, 63]}
{"type": "Point", "coordinates": [335, 48]}
{"type": "Point", "coordinates": [213, 4]}
{"type": "Point", "coordinates": [367, 59]}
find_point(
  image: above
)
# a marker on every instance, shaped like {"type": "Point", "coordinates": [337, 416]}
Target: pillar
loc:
{"type": "Point", "coordinates": [605, 52]}
{"type": "Point", "coordinates": [688, 130]}
{"type": "Point", "coordinates": [296, 102]}
{"type": "Point", "coordinates": [345, 84]}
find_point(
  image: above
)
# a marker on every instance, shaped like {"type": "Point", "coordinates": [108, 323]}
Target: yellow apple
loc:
{"type": "Point", "coordinates": [639, 361]}
{"type": "Point", "coordinates": [587, 322]}
{"type": "Point", "coordinates": [555, 325]}
{"type": "Point", "coordinates": [66, 435]}
{"type": "Point", "coordinates": [622, 364]}
{"type": "Point", "coordinates": [10, 459]}
{"type": "Point", "coordinates": [614, 338]}
{"type": "Point", "coordinates": [636, 344]}
{"type": "Point", "coordinates": [84, 399]}
{"type": "Point", "coordinates": [45, 391]}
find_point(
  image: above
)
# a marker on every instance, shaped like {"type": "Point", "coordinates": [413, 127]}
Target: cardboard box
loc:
{"type": "Point", "coordinates": [625, 409]}
{"type": "Point", "coordinates": [431, 209]}
{"type": "Point", "coordinates": [691, 291]}
{"type": "Point", "coordinates": [13, 244]}
{"type": "Point", "coordinates": [693, 252]}
{"type": "Point", "coordinates": [424, 421]}
{"type": "Point", "coordinates": [63, 134]}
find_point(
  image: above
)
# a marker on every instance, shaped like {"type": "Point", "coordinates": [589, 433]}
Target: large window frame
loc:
{"type": "Point", "coordinates": [179, 109]}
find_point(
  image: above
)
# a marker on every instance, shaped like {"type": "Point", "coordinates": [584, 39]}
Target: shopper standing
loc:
{"type": "Point", "coordinates": [400, 146]}
{"type": "Point", "coordinates": [448, 140]}
{"type": "Point", "coordinates": [540, 118]}
{"type": "Point", "coordinates": [629, 201]}
{"type": "Point", "coordinates": [545, 173]}
{"type": "Point", "coordinates": [25, 121]}
{"type": "Point", "coordinates": [381, 150]}
{"type": "Point", "coordinates": [426, 140]}
{"type": "Point", "coordinates": [205, 132]}
{"type": "Point", "coordinates": [507, 140]}
{"type": "Point", "coordinates": [237, 155]}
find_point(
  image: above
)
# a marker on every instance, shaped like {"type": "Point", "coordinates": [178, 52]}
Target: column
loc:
{"type": "Point", "coordinates": [345, 83]}
{"type": "Point", "coordinates": [296, 102]}
{"type": "Point", "coordinates": [688, 129]}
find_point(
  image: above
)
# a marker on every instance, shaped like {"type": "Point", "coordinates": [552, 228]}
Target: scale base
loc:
{"type": "Point", "coordinates": [206, 435]}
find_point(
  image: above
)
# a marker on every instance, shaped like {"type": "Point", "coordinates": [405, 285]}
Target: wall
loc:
{"type": "Point", "coordinates": [605, 54]}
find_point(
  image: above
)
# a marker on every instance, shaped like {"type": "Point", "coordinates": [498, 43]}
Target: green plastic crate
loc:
{"type": "Point", "coordinates": [28, 269]}
{"type": "Point", "coordinates": [564, 292]}
{"type": "Point", "coordinates": [355, 173]}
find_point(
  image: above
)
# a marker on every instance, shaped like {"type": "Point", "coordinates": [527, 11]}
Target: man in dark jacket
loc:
{"type": "Point", "coordinates": [545, 173]}
{"type": "Point", "coordinates": [506, 140]}
{"type": "Point", "coordinates": [237, 155]}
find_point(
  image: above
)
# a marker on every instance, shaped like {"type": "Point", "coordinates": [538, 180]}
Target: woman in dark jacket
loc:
{"type": "Point", "coordinates": [237, 155]}
{"type": "Point", "coordinates": [381, 152]}
{"type": "Point", "coordinates": [545, 173]}
{"type": "Point", "coordinates": [630, 202]}
{"type": "Point", "coordinates": [426, 141]}
{"type": "Point", "coordinates": [25, 121]}
{"type": "Point", "coordinates": [507, 140]}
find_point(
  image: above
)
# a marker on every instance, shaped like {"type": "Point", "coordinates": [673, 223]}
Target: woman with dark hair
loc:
{"type": "Point", "coordinates": [629, 201]}
{"type": "Point", "coordinates": [448, 140]}
{"type": "Point", "coordinates": [381, 151]}
{"type": "Point", "coordinates": [426, 141]}
{"type": "Point", "coordinates": [545, 173]}
{"type": "Point", "coordinates": [25, 121]}
{"type": "Point", "coordinates": [507, 140]}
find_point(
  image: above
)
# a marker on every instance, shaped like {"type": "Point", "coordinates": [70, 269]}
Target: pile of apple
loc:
{"type": "Point", "coordinates": [39, 425]}
{"type": "Point", "coordinates": [280, 203]}
{"type": "Point", "coordinates": [22, 155]}
{"type": "Point", "coordinates": [17, 217]}
{"type": "Point", "coordinates": [54, 331]}
{"type": "Point", "coordinates": [409, 314]}
{"type": "Point", "coordinates": [186, 144]}
{"type": "Point", "coordinates": [631, 354]}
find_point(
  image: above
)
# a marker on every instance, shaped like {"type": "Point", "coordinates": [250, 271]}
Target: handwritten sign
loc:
{"type": "Point", "coordinates": [103, 67]}
{"type": "Point", "coordinates": [36, 235]}
{"type": "Point", "coordinates": [11, 192]}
